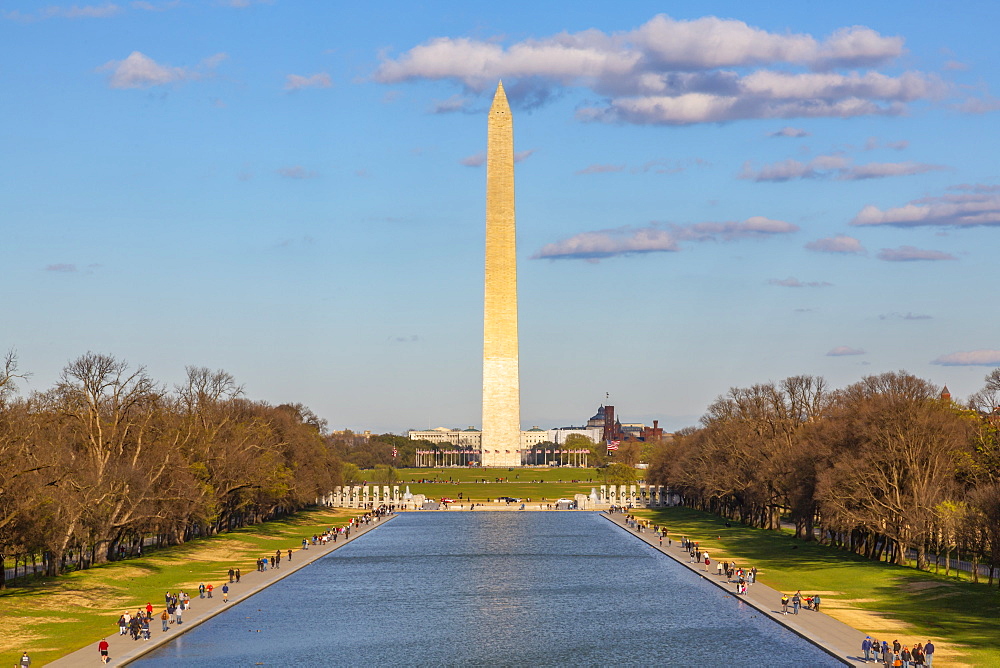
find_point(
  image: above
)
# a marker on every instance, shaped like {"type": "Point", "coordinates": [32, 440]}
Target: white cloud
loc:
{"type": "Point", "coordinates": [792, 282]}
{"type": "Point", "coordinates": [975, 188]}
{"type": "Point", "coordinates": [521, 156]}
{"type": "Point", "coordinates": [753, 227]}
{"type": "Point", "coordinates": [593, 246]}
{"type": "Point", "coordinates": [822, 166]}
{"type": "Point", "coordinates": [671, 71]}
{"type": "Point", "coordinates": [828, 86]}
{"type": "Point", "coordinates": [86, 11]}
{"type": "Point", "coordinates": [842, 351]}
{"type": "Point", "coordinates": [878, 170]}
{"type": "Point", "coordinates": [833, 166]}
{"type": "Point", "coordinates": [980, 105]}
{"type": "Point", "coordinates": [600, 169]}
{"type": "Point", "coordinates": [966, 209]}
{"type": "Point", "coordinates": [912, 254]}
{"type": "Point", "coordinates": [693, 108]}
{"type": "Point", "coordinates": [474, 160]}
{"type": "Point", "coordinates": [140, 71]}
{"type": "Point", "coordinates": [650, 166]}
{"type": "Point", "coordinates": [905, 316]}
{"type": "Point", "coordinates": [789, 131]}
{"type": "Point", "coordinates": [151, 7]}
{"type": "Point", "coordinates": [62, 267]}
{"type": "Point", "coordinates": [453, 103]}
{"type": "Point", "coordinates": [837, 244]}
{"type": "Point", "coordinates": [298, 82]}
{"type": "Point", "coordinates": [72, 12]}
{"type": "Point", "coordinates": [296, 172]}
{"type": "Point", "coordinates": [970, 358]}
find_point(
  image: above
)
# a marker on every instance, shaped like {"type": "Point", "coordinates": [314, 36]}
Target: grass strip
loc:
{"type": "Point", "coordinates": [884, 600]}
{"type": "Point", "coordinates": [480, 485]}
{"type": "Point", "coordinates": [52, 617]}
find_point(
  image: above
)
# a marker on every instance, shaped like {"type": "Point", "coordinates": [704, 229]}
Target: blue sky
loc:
{"type": "Point", "coordinates": [709, 195]}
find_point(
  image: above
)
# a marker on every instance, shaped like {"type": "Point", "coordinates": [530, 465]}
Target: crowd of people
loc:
{"type": "Point", "coordinates": [896, 654]}
{"type": "Point", "coordinates": [137, 625]}
{"type": "Point", "coordinates": [798, 600]}
{"type": "Point", "coordinates": [892, 655]}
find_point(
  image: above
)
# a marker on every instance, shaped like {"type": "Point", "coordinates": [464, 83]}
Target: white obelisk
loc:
{"type": "Point", "coordinates": [501, 387]}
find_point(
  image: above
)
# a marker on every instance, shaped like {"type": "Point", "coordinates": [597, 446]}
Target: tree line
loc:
{"type": "Point", "coordinates": [108, 459]}
{"type": "Point", "coordinates": [885, 467]}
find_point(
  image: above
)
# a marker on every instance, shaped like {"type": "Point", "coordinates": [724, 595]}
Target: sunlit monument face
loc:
{"type": "Point", "coordinates": [501, 388]}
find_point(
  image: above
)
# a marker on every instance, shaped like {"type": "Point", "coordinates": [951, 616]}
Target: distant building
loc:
{"type": "Point", "coordinates": [538, 447]}
{"type": "Point", "coordinates": [470, 437]}
{"type": "Point", "coordinates": [365, 435]}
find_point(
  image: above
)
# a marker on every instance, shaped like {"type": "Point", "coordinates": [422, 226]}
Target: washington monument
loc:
{"type": "Point", "coordinates": [501, 387]}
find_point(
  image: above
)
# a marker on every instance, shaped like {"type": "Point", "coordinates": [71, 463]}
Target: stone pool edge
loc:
{"type": "Point", "coordinates": [839, 649]}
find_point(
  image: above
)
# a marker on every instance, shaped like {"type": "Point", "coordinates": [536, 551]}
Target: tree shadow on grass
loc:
{"type": "Point", "coordinates": [969, 615]}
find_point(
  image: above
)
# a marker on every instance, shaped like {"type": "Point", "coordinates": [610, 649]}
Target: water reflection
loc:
{"type": "Point", "coordinates": [492, 589]}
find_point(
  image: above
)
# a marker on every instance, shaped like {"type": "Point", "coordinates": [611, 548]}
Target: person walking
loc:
{"type": "Point", "coordinates": [232, 574]}
{"type": "Point", "coordinates": [180, 615]}
{"type": "Point", "coordinates": [225, 593]}
{"type": "Point", "coordinates": [209, 589]}
{"type": "Point", "coordinates": [784, 604]}
{"type": "Point", "coordinates": [237, 575]}
{"type": "Point", "coordinates": [816, 602]}
{"type": "Point", "coordinates": [102, 649]}
{"type": "Point", "coordinates": [163, 619]}
{"type": "Point", "coordinates": [866, 647]}
{"type": "Point", "coordinates": [25, 660]}
{"type": "Point", "coordinates": [796, 602]}
{"type": "Point", "coordinates": [929, 654]}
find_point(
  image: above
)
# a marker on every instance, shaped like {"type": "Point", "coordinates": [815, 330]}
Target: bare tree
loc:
{"type": "Point", "coordinates": [8, 375]}
{"type": "Point", "coordinates": [898, 448]}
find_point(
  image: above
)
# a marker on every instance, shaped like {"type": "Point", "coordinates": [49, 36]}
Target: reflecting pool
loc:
{"type": "Point", "coordinates": [492, 589]}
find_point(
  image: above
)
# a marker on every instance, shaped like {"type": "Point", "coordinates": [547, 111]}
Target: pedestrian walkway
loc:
{"type": "Point", "coordinates": [832, 636]}
{"type": "Point", "coordinates": [123, 649]}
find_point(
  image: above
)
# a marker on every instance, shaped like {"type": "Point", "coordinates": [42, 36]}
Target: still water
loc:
{"type": "Point", "coordinates": [492, 589]}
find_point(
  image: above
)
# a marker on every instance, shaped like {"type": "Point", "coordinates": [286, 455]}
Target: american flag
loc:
{"type": "Point", "coordinates": [613, 445]}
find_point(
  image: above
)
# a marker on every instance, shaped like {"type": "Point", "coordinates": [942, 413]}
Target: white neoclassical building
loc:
{"type": "Point", "coordinates": [538, 447]}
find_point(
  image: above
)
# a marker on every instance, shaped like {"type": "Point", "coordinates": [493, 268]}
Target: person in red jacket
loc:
{"type": "Point", "coordinates": [102, 647]}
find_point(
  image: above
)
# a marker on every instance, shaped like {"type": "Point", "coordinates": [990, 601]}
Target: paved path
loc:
{"type": "Point", "coordinates": [834, 637]}
{"type": "Point", "coordinates": [123, 649]}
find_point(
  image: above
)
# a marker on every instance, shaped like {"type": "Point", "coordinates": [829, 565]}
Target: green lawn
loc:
{"type": "Point", "coordinates": [963, 619]}
{"type": "Point", "coordinates": [55, 616]}
{"type": "Point", "coordinates": [548, 483]}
